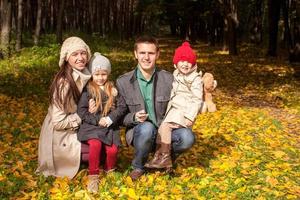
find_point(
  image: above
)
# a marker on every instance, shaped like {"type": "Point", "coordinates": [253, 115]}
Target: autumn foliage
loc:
{"type": "Point", "coordinates": [248, 149]}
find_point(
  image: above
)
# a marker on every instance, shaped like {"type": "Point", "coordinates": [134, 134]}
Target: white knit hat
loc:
{"type": "Point", "coordinates": [99, 62]}
{"type": "Point", "coordinates": [70, 45]}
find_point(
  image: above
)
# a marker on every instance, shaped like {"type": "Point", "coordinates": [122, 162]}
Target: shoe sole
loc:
{"type": "Point", "coordinates": [158, 167]}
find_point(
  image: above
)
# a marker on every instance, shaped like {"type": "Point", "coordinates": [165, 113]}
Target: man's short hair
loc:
{"type": "Point", "coordinates": [146, 39]}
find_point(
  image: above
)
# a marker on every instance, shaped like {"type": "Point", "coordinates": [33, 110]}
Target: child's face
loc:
{"type": "Point", "coordinates": [184, 67]}
{"type": "Point", "coordinates": [78, 59]}
{"type": "Point", "coordinates": [100, 77]}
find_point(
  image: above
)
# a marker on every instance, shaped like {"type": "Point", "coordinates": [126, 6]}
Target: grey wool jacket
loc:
{"type": "Point", "coordinates": [130, 99]}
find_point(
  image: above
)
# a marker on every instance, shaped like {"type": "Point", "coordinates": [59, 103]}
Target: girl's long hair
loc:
{"type": "Point", "coordinates": [63, 89]}
{"type": "Point", "coordinates": [94, 90]}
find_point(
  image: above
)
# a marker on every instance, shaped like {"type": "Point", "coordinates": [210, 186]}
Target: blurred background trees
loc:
{"type": "Point", "coordinates": [225, 23]}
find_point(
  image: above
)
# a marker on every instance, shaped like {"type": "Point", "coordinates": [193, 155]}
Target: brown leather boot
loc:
{"type": "Point", "coordinates": [155, 156]}
{"type": "Point", "coordinates": [164, 160]}
{"type": "Point", "coordinates": [154, 160]}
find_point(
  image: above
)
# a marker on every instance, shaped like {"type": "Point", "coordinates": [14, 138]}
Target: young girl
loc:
{"type": "Point", "coordinates": [91, 131]}
{"type": "Point", "coordinates": [59, 150]}
{"type": "Point", "coordinates": [183, 107]}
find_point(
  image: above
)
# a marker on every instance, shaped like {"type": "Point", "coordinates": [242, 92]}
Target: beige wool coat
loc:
{"type": "Point", "coordinates": [186, 98]}
{"type": "Point", "coordinates": [59, 150]}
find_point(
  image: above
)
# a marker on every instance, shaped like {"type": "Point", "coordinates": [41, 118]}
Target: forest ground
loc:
{"type": "Point", "coordinates": [248, 149]}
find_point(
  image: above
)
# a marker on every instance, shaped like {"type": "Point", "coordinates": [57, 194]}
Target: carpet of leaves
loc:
{"type": "Point", "coordinates": [248, 149]}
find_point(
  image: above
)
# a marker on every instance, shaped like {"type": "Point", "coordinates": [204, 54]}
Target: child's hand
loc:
{"type": "Point", "coordinates": [92, 106]}
{"type": "Point", "coordinates": [174, 125]}
{"type": "Point", "coordinates": [103, 122]}
{"type": "Point", "coordinates": [188, 123]}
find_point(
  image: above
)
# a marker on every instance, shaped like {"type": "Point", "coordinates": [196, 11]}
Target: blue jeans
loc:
{"type": "Point", "coordinates": [144, 136]}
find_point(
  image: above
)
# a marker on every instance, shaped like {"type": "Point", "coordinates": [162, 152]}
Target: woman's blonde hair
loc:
{"type": "Point", "coordinates": [94, 90]}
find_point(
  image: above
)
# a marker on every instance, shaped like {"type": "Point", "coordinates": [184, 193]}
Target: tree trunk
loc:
{"type": "Point", "coordinates": [256, 22]}
{"type": "Point", "coordinates": [115, 16]}
{"type": "Point", "coordinates": [274, 12]}
{"type": "Point", "coordinates": [59, 22]}
{"type": "Point", "coordinates": [131, 19]}
{"type": "Point", "coordinates": [5, 27]}
{"type": "Point", "coordinates": [28, 15]}
{"type": "Point", "coordinates": [225, 34]}
{"type": "Point", "coordinates": [294, 53]}
{"type": "Point", "coordinates": [212, 27]}
{"type": "Point", "coordinates": [52, 16]}
{"type": "Point", "coordinates": [231, 15]}
{"type": "Point", "coordinates": [287, 32]}
{"type": "Point", "coordinates": [92, 15]}
{"type": "Point", "coordinates": [125, 21]}
{"type": "Point", "coordinates": [121, 20]}
{"type": "Point", "coordinates": [100, 17]}
{"type": "Point", "coordinates": [38, 23]}
{"type": "Point", "coordinates": [107, 24]}
{"type": "Point", "coordinates": [19, 25]}
{"type": "Point", "coordinates": [14, 16]}
{"type": "Point", "coordinates": [232, 36]}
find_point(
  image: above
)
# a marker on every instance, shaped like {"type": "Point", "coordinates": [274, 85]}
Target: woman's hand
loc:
{"type": "Point", "coordinates": [92, 106]}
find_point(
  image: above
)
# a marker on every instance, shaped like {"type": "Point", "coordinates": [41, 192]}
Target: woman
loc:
{"type": "Point", "coordinates": [59, 150]}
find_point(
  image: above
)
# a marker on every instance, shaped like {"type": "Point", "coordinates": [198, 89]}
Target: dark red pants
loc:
{"type": "Point", "coordinates": [94, 153]}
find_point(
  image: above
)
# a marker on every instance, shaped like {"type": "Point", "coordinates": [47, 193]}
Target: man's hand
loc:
{"type": "Point", "coordinates": [140, 116]}
{"type": "Point", "coordinates": [92, 106]}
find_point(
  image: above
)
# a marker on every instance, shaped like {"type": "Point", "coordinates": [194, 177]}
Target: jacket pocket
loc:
{"type": "Point", "coordinates": [133, 105]}
{"type": "Point", "coordinates": [161, 105]}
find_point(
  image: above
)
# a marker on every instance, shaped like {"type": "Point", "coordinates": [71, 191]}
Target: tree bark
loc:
{"type": "Point", "coordinates": [100, 17]}
{"type": "Point", "coordinates": [256, 29]}
{"type": "Point", "coordinates": [131, 19]}
{"type": "Point", "coordinates": [59, 22]}
{"type": "Point", "coordinates": [19, 25]}
{"type": "Point", "coordinates": [294, 53]}
{"type": "Point", "coordinates": [231, 15]}
{"type": "Point", "coordinates": [38, 23]}
{"type": "Point", "coordinates": [114, 15]}
{"type": "Point", "coordinates": [287, 32]}
{"type": "Point", "coordinates": [28, 15]}
{"type": "Point", "coordinates": [92, 15]}
{"type": "Point", "coordinates": [225, 34]}
{"type": "Point", "coordinates": [107, 24]}
{"type": "Point", "coordinates": [273, 15]}
{"type": "Point", "coordinates": [5, 27]}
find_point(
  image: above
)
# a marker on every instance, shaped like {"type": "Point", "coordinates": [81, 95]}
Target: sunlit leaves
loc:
{"type": "Point", "coordinates": [248, 149]}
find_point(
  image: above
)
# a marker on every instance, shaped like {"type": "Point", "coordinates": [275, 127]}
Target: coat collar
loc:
{"type": "Point", "coordinates": [133, 76]}
{"type": "Point", "coordinates": [81, 77]}
{"type": "Point", "coordinates": [189, 78]}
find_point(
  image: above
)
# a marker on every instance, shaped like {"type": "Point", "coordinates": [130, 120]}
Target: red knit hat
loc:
{"type": "Point", "coordinates": [185, 53]}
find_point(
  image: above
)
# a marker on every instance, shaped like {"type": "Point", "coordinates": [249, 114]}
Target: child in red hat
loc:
{"type": "Point", "coordinates": [184, 105]}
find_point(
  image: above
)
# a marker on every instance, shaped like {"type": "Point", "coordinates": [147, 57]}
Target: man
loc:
{"type": "Point", "coordinates": [145, 93]}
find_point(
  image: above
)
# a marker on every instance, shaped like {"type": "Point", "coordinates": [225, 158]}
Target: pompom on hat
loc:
{"type": "Point", "coordinates": [70, 45]}
{"type": "Point", "coordinates": [185, 53]}
{"type": "Point", "coordinates": [99, 62]}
